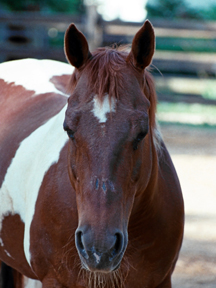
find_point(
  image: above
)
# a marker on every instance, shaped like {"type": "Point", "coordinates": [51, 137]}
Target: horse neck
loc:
{"type": "Point", "coordinates": [146, 200]}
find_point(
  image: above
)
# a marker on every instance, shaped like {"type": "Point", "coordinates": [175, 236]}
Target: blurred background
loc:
{"type": "Point", "coordinates": [184, 68]}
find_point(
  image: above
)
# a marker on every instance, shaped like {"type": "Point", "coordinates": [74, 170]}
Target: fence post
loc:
{"type": "Point", "coordinates": [93, 30]}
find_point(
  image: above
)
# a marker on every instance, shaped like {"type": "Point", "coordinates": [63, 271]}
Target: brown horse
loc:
{"type": "Point", "coordinates": [100, 205]}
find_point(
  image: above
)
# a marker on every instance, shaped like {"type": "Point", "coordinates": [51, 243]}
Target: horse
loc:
{"type": "Point", "coordinates": [97, 202]}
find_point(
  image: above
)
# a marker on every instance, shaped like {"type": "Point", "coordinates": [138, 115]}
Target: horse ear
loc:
{"type": "Point", "coordinates": [76, 47]}
{"type": "Point", "coordinates": [143, 46]}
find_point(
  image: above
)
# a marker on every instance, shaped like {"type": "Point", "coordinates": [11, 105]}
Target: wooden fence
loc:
{"type": "Point", "coordinates": [24, 35]}
{"type": "Point", "coordinates": [182, 46]}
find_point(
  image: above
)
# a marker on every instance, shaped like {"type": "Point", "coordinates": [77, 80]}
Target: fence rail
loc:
{"type": "Point", "coordinates": [41, 36]}
{"type": "Point", "coordinates": [35, 35]}
{"type": "Point", "coordinates": [185, 47]}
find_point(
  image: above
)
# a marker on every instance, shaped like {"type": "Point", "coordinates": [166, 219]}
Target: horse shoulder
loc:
{"type": "Point", "coordinates": [55, 211]}
{"type": "Point", "coordinates": [31, 139]}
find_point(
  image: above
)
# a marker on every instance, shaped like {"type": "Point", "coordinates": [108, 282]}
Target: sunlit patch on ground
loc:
{"type": "Point", "coordinates": [193, 151]}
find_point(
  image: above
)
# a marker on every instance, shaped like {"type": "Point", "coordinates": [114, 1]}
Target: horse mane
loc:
{"type": "Point", "coordinates": [104, 69]}
{"type": "Point", "coordinates": [150, 92]}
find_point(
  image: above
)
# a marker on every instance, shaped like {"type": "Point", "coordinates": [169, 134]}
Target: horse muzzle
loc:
{"type": "Point", "coordinates": [100, 255]}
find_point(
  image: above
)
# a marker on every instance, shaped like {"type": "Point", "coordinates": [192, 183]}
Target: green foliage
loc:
{"type": "Point", "coordinates": [170, 9]}
{"type": "Point", "coordinates": [63, 6]}
{"type": "Point", "coordinates": [208, 14]}
{"type": "Point", "coordinates": [179, 9]}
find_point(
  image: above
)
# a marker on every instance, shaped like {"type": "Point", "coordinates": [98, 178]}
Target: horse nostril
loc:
{"type": "Point", "coordinates": [118, 246]}
{"type": "Point", "coordinates": [80, 245]}
{"type": "Point", "coordinates": [119, 242]}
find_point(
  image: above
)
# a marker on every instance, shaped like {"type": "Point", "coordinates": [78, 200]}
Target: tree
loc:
{"type": "Point", "coordinates": [170, 9]}
{"type": "Point", "coordinates": [63, 6]}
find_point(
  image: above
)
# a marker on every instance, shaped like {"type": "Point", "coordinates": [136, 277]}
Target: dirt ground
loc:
{"type": "Point", "coordinates": [193, 151]}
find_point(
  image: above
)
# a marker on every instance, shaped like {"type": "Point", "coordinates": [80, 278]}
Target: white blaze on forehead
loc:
{"type": "Point", "coordinates": [100, 110]}
{"type": "Point", "coordinates": [34, 75]}
{"type": "Point", "coordinates": [24, 176]}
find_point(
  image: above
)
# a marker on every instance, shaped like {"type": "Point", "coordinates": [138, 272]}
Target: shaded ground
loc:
{"type": "Point", "coordinates": [193, 151]}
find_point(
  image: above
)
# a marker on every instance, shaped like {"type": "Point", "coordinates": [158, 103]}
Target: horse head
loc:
{"type": "Point", "coordinates": [110, 155]}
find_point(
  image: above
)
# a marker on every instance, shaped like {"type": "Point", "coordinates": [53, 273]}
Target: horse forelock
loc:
{"type": "Point", "coordinates": [106, 74]}
{"type": "Point", "coordinates": [104, 70]}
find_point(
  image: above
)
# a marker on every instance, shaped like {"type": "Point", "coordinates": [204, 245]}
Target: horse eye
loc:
{"type": "Point", "coordinates": [69, 131]}
{"type": "Point", "coordinates": [139, 138]}
{"type": "Point", "coordinates": [70, 134]}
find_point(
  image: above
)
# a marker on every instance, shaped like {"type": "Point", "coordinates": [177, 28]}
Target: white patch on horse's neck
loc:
{"type": "Point", "coordinates": [25, 174]}
{"type": "Point", "coordinates": [101, 109]}
{"type": "Point", "coordinates": [34, 75]}
{"type": "Point", "coordinates": [31, 283]}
